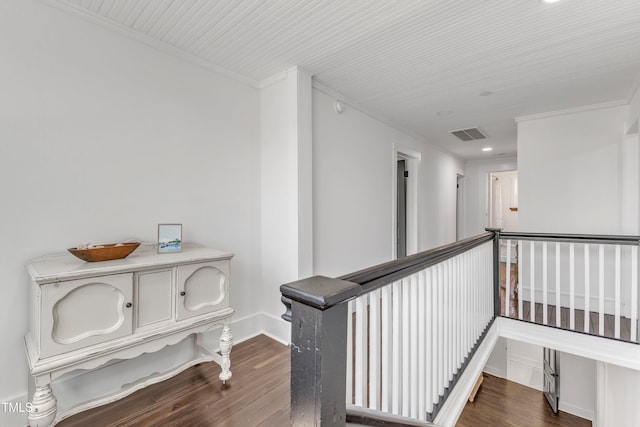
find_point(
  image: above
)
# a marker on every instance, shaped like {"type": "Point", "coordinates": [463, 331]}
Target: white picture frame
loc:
{"type": "Point", "coordinates": [169, 238]}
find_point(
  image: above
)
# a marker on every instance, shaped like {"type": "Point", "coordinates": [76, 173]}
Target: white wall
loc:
{"type": "Point", "coordinates": [286, 189]}
{"type": "Point", "coordinates": [634, 110]}
{"type": "Point", "coordinates": [476, 191]}
{"type": "Point", "coordinates": [101, 139]}
{"type": "Point", "coordinates": [577, 174]}
{"type": "Point", "coordinates": [618, 391]}
{"type": "Point", "coordinates": [571, 171]}
{"type": "Point", "coordinates": [353, 167]}
{"type": "Point", "coordinates": [578, 386]}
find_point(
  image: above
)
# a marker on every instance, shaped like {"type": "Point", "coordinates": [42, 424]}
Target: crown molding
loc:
{"type": "Point", "coordinates": [581, 109]}
{"type": "Point", "coordinates": [282, 75]}
{"type": "Point", "coordinates": [161, 46]}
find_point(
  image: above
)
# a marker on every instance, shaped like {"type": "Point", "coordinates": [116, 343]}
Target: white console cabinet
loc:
{"type": "Point", "coordinates": [85, 316]}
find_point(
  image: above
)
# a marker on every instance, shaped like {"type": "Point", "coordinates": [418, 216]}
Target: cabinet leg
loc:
{"type": "Point", "coordinates": [44, 407]}
{"type": "Point", "coordinates": [226, 343]}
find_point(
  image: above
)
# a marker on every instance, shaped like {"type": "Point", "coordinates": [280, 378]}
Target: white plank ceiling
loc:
{"type": "Point", "coordinates": [426, 66]}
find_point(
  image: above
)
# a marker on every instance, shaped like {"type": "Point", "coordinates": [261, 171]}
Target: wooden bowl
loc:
{"type": "Point", "coordinates": [106, 252]}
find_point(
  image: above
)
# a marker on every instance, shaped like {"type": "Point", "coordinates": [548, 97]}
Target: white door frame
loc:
{"type": "Point", "coordinates": [460, 206]}
{"type": "Point", "coordinates": [412, 159]}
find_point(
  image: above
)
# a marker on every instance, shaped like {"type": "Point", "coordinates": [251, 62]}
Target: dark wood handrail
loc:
{"type": "Point", "coordinates": [420, 260]}
{"type": "Point", "coordinates": [572, 238]}
{"type": "Point", "coordinates": [322, 292]}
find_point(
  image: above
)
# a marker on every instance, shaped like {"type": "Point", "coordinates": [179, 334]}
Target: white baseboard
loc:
{"type": "Point", "coordinates": [524, 370]}
{"type": "Point", "coordinates": [588, 414]}
{"type": "Point", "coordinates": [253, 325]}
{"type": "Point", "coordinates": [275, 328]}
{"type": "Point", "coordinates": [495, 371]}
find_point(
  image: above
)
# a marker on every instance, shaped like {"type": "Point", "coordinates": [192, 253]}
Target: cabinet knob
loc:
{"type": "Point", "coordinates": [183, 293]}
{"type": "Point", "coordinates": [128, 305]}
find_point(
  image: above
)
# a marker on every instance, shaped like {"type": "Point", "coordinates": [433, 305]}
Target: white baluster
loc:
{"type": "Point", "coordinates": [484, 272]}
{"type": "Point", "coordinates": [544, 283]}
{"type": "Point", "coordinates": [476, 295]}
{"type": "Point", "coordinates": [489, 283]}
{"type": "Point", "coordinates": [361, 351]}
{"type": "Point", "coordinates": [449, 328]}
{"type": "Point", "coordinates": [507, 281]}
{"type": "Point", "coordinates": [532, 270]}
{"type": "Point", "coordinates": [374, 350]}
{"type": "Point", "coordinates": [441, 326]}
{"type": "Point", "coordinates": [601, 290]}
{"type": "Point", "coordinates": [349, 391]}
{"type": "Point", "coordinates": [572, 287]}
{"type": "Point", "coordinates": [520, 287]}
{"type": "Point", "coordinates": [558, 298]}
{"type": "Point", "coordinates": [458, 313]}
{"type": "Point", "coordinates": [617, 293]}
{"type": "Point", "coordinates": [386, 348]}
{"type": "Point", "coordinates": [587, 289]}
{"type": "Point", "coordinates": [423, 346]}
{"type": "Point", "coordinates": [406, 344]}
{"type": "Point", "coordinates": [482, 289]}
{"type": "Point", "coordinates": [415, 339]}
{"type": "Point", "coordinates": [435, 320]}
{"type": "Point", "coordinates": [467, 308]}
{"type": "Point", "coordinates": [634, 294]}
{"type": "Point", "coordinates": [396, 361]}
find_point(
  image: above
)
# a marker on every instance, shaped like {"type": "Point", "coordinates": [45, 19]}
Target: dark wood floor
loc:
{"type": "Point", "coordinates": [258, 394]}
{"type": "Point", "coordinates": [502, 403]}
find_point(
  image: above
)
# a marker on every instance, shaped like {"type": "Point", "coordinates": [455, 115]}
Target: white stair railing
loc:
{"type": "Point", "coordinates": [411, 338]}
{"type": "Point", "coordinates": [395, 338]}
{"type": "Point", "coordinates": [582, 283]}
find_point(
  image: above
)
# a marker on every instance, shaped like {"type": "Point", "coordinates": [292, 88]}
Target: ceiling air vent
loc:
{"type": "Point", "coordinates": [468, 134]}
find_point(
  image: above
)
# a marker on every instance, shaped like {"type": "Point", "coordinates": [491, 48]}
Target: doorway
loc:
{"type": "Point", "coordinates": [401, 208]}
{"type": "Point", "coordinates": [551, 378]}
{"type": "Point", "coordinates": [503, 200]}
{"type": "Point", "coordinates": [460, 207]}
{"type": "Point", "coordinates": [406, 169]}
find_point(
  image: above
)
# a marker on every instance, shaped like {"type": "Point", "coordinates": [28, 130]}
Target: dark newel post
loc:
{"type": "Point", "coordinates": [496, 270]}
{"type": "Point", "coordinates": [319, 349]}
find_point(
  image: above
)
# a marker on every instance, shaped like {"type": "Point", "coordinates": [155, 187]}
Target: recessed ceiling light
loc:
{"type": "Point", "coordinates": [444, 113]}
{"type": "Point", "coordinates": [487, 149]}
{"type": "Point", "coordinates": [550, 1]}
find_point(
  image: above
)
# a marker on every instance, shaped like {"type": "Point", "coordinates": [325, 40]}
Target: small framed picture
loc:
{"type": "Point", "coordinates": [169, 238]}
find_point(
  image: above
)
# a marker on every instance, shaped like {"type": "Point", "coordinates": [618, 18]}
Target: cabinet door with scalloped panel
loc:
{"type": "Point", "coordinates": [86, 312]}
{"type": "Point", "coordinates": [202, 288]}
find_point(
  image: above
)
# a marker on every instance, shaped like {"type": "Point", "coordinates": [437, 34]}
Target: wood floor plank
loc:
{"type": "Point", "coordinates": [257, 394]}
{"type": "Point", "coordinates": [502, 403]}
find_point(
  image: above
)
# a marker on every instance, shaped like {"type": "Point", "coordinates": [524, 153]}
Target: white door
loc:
{"type": "Point", "coordinates": [551, 376]}
{"type": "Point", "coordinates": [503, 200]}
